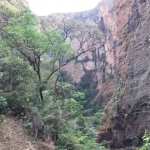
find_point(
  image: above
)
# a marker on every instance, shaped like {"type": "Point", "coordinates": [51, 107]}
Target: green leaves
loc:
{"type": "Point", "coordinates": [3, 104]}
{"type": "Point", "coordinates": [23, 33]}
{"type": "Point", "coordinates": [146, 140]}
{"type": "Point", "coordinates": [79, 95]}
{"type": "Point", "coordinates": [25, 20]}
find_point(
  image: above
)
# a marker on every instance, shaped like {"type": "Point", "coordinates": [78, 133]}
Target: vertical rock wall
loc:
{"type": "Point", "coordinates": [127, 112]}
{"type": "Point", "coordinates": [103, 61]}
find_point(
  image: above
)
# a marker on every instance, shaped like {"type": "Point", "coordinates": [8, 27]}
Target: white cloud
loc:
{"type": "Point", "coordinates": [45, 7]}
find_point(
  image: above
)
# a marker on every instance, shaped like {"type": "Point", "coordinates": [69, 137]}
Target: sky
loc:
{"type": "Point", "coordinates": [46, 7]}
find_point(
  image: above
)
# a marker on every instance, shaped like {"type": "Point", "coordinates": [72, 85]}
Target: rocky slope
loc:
{"type": "Point", "coordinates": [13, 136]}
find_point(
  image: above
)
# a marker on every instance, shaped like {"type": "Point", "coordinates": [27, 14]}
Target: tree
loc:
{"type": "Point", "coordinates": [21, 34]}
{"type": "Point", "coordinates": [15, 77]}
{"type": "Point", "coordinates": [84, 36]}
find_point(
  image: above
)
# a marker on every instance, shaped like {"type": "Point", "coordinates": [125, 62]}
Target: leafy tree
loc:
{"type": "Point", "coordinates": [83, 36]}
{"type": "Point", "coordinates": [22, 35]}
{"type": "Point", "coordinates": [3, 104]}
{"type": "Point", "coordinates": [15, 77]}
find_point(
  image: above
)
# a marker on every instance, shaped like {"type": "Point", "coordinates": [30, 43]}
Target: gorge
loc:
{"type": "Point", "coordinates": [125, 81]}
{"type": "Point", "coordinates": [115, 74]}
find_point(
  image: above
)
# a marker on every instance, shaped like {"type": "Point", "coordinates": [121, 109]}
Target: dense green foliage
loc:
{"type": "Point", "coordinates": [21, 35]}
{"type": "Point", "coordinates": [146, 139]}
{"type": "Point", "coordinates": [33, 86]}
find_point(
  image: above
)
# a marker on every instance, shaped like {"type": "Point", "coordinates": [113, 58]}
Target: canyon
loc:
{"type": "Point", "coordinates": [118, 69]}
{"type": "Point", "coordinates": [124, 80]}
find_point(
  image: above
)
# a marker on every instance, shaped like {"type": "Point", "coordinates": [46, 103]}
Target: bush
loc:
{"type": "Point", "coordinates": [3, 104]}
{"type": "Point", "coordinates": [146, 139]}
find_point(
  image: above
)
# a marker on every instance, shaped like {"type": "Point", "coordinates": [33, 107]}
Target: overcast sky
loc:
{"type": "Point", "coordinates": [46, 7]}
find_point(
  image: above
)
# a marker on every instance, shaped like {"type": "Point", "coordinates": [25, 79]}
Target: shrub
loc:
{"type": "Point", "coordinates": [146, 139]}
{"type": "Point", "coordinates": [3, 104]}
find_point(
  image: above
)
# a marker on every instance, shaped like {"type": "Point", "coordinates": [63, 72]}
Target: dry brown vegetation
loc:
{"type": "Point", "coordinates": [14, 137]}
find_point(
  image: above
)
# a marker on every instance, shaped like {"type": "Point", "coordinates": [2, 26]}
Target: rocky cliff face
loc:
{"type": "Point", "coordinates": [128, 37]}
{"type": "Point", "coordinates": [101, 64]}
{"type": "Point", "coordinates": [123, 72]}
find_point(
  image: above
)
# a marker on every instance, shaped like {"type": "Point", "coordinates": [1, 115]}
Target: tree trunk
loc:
{"type": "Point", "coordinates": [41, 86]}
{"type": "Point", "coordinates": [41, 95]}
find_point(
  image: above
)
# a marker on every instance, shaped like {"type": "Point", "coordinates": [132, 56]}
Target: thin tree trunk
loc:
{"type": "Point", "coordinates": [55, 93]}
{"type": "Point", "coordinates": [41, 86]}
{"type": "Point", "coordinates": [41, 95]}
{"type": "Point", "coordinates": [11, 73]}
